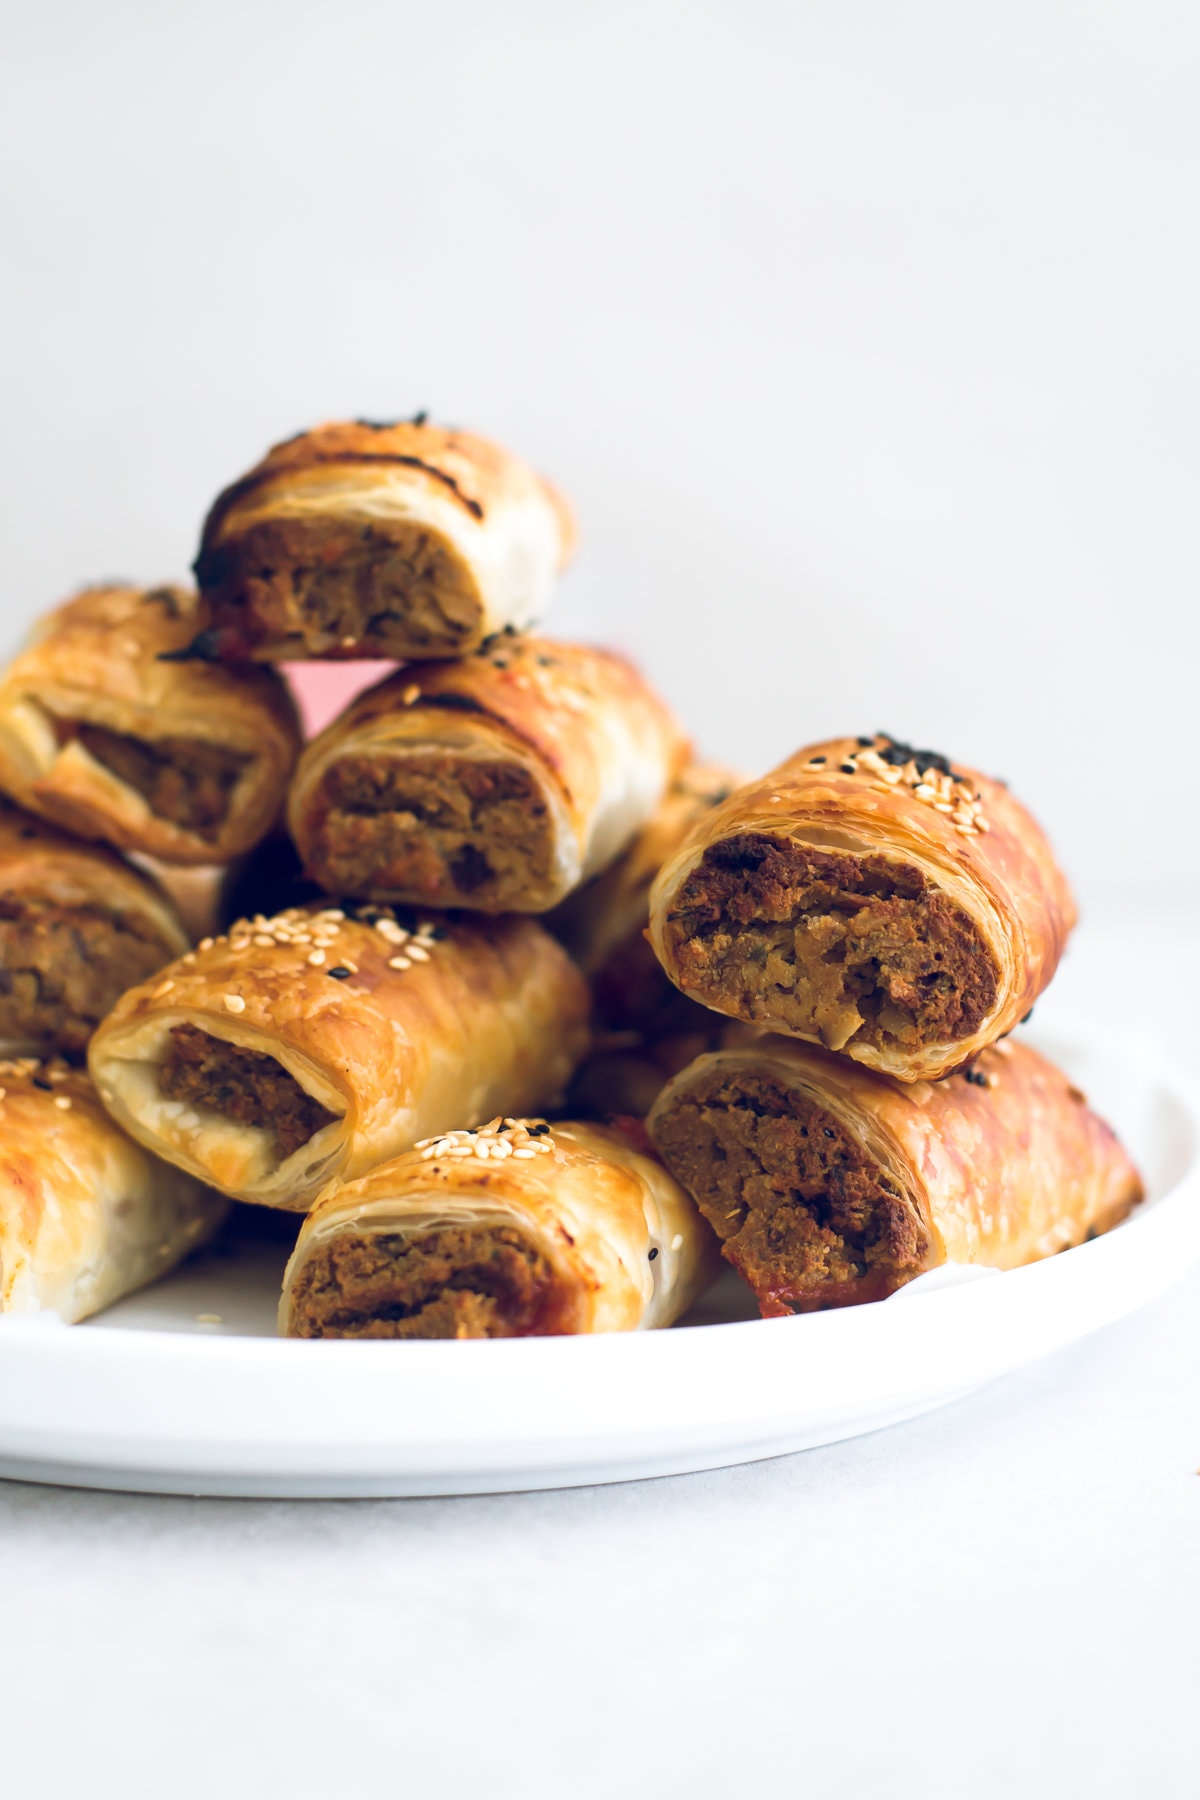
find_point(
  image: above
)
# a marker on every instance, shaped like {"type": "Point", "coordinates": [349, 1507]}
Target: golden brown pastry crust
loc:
{"type": "Point", "coordinates": [534, 764]}
{"type": "Point", "coordinates": [59, 901]}
{"type": "Point", "coordinates": [831, 1184]}
{"type": "Point", "coordinates": [97, 731]}
{"type": "Point", "coordinates": [395, 1034]}
{"type": "Point", "coordinates": [970, 862]}
{"type": "Point", "coordinates": [519, 1230]}
{"type": "Point", "coordinates": [85, 1215]}
{"type": "Point", "coordinates": [395, 540]}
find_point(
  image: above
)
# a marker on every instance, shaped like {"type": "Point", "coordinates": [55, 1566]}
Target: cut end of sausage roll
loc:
{"type": "Point", "coordinates": [496, 783]}
{"type": "Point", "coordinates": [104, 729]}
{"type": "Point", "coordinates": [394, 540]}
{"type": "Point", "coordinates": [516, 1229]}
{"type": "Point", "coordinates": [466, 1281]}
{"type": "Point", "coordinates": [248, 1086]}
{"type": "Point", "coordinates": [804, 1214]}
{"type": "Point", "coordinates": [78, 927]}
{"type": "Point", "coordinates": [850, 949]}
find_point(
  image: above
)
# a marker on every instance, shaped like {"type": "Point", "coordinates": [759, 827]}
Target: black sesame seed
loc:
{"type": "Point", "coordinates": [848, 769]}
{"type": "Point", "coordinates": [44, 1086]}
{"type": "Point", "coordinates": [866, 742]}
{"type": "Point", "coordinates": [652, 1255]}
{"type": "Point", "coordinates": [340, 974]}
{"type": "Point", "coordinates": [539, 1130]}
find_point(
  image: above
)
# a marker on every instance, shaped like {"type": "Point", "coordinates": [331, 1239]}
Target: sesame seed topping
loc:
{"type": "Point", "coordinates": [848, 768]}
{"type": "Point", "coordinates": [316, 958]}
{"type": "Point", "coordinates": [205, 944]}
{"type": "Point", "coordinates": [399, 962]}
{"type": "Point", "coordinates": [677, 1241]}
{"type": "Point", "coordinates": [234, 1003]}
{"type": "Point", "coordinates": [411, 692]}
{"type": "Point", "coordinates": [499, 1138]}
{"type": "Point", "coordinates": [418, 952]}
{"type": "Point", "coordinates": [62, 1102]}
{"type": "Point", "coordinates": [348, 643]}
{"type": "Point", "coordinates": [164, 987]}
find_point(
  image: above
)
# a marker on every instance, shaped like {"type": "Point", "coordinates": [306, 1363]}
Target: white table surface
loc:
{"type": "Point", "coordinates": [1000, 1597]}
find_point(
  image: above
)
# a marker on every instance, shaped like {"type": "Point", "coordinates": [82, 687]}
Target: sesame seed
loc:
{"type": "Point", "coordinates": [525, 1152]}
{"type": "Point", "coordinates": [351, 966]}
{"type": "Point", "coordinates": [205, 944]}
{"type": "Point", "coordinates": [348, 643]}
{"type": "Point", "coordinates": [399, 962]}
{"type": "Point", "coordinates": [411, 692]}
{"type": "Point", "coordinates": [62, 1102]}
{"type": "Point", "coordinates": [418, 952]}
{"type": "Point", "coordinates": [189, 958]}
{"type": "Point", "coordinates": [316, 958]}
{"type": "Point", "coordinates": [848, 768]}
{"type": "Point", "coordinates": [653, 1254]}
{"type": "Point", "coordinates": [234, 1003]}
{"type": "Point", "coordinates": [340, 974]}
{"type": "Point", "coordinates": [332, 912]}
{"type": "Point", "coordinates": [677, 1241]}
{"type": "Point", "coordinates": [264, 942]}
{"type": "Point", "coordinates": [164, 987]}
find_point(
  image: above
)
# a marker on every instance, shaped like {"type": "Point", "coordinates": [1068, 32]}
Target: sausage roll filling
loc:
{"type": "Point", "coordinates": [63, 968]}
{"type": "Point", "coordinates": [497, 783]}
{"type": "Point", "coordinates": [831, 945]}
{"type": "Point", "coordinates": [480, 1281]}
{"type": "Point", "coordinates": [392, 540]}
{"type": "Point", "coordinates": [798, 1204]}
{"type": "Point", "coordinates": [450, 825]}
{"type": "Point", "coordinates": [182, 780]}
{"type": "Point", "coordinates": [248, 1086]}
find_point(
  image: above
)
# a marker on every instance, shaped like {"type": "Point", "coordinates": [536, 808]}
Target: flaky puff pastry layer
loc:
{"type": "Point", "coordinates": [587, 743]}
{"type": "Point", "coordinates": [395, 540]}
{"type": "Point", "coordinates": [395, 1032]}
{"type": "Point", "coordinates": [611, 1241]}
{"type": "Point", "coordinates": [91, 701]}
{"type": "Point", "coordinates": [50, 883]}
{"type": "Point", "coordinates": [959, 836]}
{"type": "Point", "coordinates": [85, 1215]}
{"type": "Point", "coordinates": [1002, 1166]}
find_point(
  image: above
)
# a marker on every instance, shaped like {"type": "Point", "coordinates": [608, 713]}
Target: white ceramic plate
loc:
{"type": "Point", "coordinates": [151, 1396]}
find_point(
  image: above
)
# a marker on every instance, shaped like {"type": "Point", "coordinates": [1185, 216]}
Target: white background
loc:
{"type": "Point", "coordinates": [864, 336]}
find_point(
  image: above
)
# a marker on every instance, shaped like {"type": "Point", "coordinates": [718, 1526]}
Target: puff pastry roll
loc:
{"type": "Point", "coordinates": [870, 897]}
{"type": "Point", "coordinates": [77, 927]}
{"type": "Point", "coordinates": [180, 760]}
{"type": "Point", "coordinates": [830, 1184]}
{"type": "Point", "coordinates": [396, 540]}
{"type": "Point", "coordinates": [85, 1215]}
{"type": "Point", "coordinates": [498, 782]}
{"type": "Point", "coordinates": [520, 1229]}
{"type": "Point", "coordinates": [321, 1041]}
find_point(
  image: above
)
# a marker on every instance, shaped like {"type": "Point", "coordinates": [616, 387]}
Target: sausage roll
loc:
{"type": "Point", "coordinates": [103, 733]}
{"type": "Point", "coordinates": [870, 897]}
{"type": "Point", "coordinates": [85, 1215]}
{"type": "Point", "coordinates": [314, 1044]}
{"type": "Point", "coordinates": [77, 927]}
{"type": "Point", "coordinates": [520, 1229]}
{"type": "Point", "coordinates": [393, 540]}
{"type": "Point", "coordinates": [830, 1184]}
{"type": "Point", "coordinates": [498, 782]}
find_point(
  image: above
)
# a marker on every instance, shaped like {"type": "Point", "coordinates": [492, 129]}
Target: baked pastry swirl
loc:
{"type": "Point", "coordinates": [85, 1215]}
{"type": "Point", "coordinates": [498, 782]}
{"type": "Point", "coordinates": [519, 1229]}
{"type": "Point", "coordinates": [321, 1041]}
{"type": "Point", "coordinates": [829, 1183]}
{"type": "Point", "coordinates": [396, 540]}
{"type": "Point", "coordinates": [870, 897]}
{"type": "Point", "coordinates": [77, 927]}
{"type": "Point", "coordinates": [101, 732]}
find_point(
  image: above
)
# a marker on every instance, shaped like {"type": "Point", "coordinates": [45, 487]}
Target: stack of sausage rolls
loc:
{"type": "Point", "coordinates": [527, 1014]}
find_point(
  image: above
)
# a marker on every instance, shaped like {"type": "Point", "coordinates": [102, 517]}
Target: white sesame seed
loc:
{"type": "Point", "coordinates": [677, 1241]}
{"type": "Point", "coordinates": [399, 962]}
{"type": "Point", "coordinates": [332, 912]}
{"type": "Point", "coordinates": [234, 1003]}
{"type": "Point", "coordinates": [418, 952]}
{"type": "Point", "coordinates": [164, 987]}
{"type": "Point", "coordinates": [264, 942]}
{"type": "Point", "coordinates": [525, 1153]}
{"type": "Point", "coordinates": [316, 958]}
{"type": "Point", "coordinates": [411, 692]}
{"type": "Point", "coordinates": [205, 944]}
